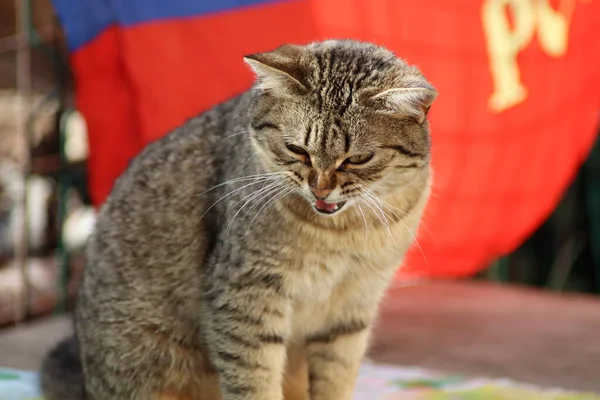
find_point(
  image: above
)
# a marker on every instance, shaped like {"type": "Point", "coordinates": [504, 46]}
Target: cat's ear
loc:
{"type": "Point", "coordinates": [278, 70]}
{"type": "Point", "coordinates": [412, 101]}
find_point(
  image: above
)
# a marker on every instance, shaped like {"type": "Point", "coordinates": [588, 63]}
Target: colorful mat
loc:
{"type": "Point", "coordinates": [376, 382]}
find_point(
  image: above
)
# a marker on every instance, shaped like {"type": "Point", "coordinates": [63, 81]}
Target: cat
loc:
{"type": "Point", "coordinates": [244, 255]}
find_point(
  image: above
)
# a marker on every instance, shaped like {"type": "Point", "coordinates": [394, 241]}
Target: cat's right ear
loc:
{"type": "Point", "coordinates": [279, 70]}
{"type": "Point", "coordinates": [407, 101]}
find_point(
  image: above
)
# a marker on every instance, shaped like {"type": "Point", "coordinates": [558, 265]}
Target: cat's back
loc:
{"type": "Point", "coordinates": [150, 233]}
{"type": "Point", "coordinates": [163, 185]}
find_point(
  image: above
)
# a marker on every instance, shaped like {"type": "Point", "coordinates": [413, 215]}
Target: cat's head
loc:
{"type": "Point", "coordinates": [346, 120]}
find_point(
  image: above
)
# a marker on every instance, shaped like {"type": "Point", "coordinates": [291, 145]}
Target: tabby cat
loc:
{"type": "Point", "coordinates": [243, 256]}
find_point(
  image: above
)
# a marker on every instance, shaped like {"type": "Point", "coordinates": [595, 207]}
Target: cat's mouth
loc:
{"type": "Point", "coordinates": [328, 208]}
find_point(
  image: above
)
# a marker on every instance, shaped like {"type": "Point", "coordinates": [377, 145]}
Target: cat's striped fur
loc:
{"type": "Point", "coordinates": [217, 270]}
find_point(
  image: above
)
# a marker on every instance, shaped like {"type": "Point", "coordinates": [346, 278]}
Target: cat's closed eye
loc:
{"type": "Point", "coordinates": [298, 152]}
{"type": "Point", "coordinates": [359, 159]}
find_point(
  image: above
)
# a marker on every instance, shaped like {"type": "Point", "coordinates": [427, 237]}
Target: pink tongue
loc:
{"type": "Point", "coordinates": [321, 205]}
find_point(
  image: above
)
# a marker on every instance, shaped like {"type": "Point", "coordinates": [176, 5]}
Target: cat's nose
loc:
{"type": "Point", "coordinates": [321, 194]}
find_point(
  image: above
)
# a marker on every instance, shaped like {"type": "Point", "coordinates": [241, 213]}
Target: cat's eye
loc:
{"type": "Point", "coordinates": [299, 152]}
{"type": "Point", "coordinates": [358, 159]}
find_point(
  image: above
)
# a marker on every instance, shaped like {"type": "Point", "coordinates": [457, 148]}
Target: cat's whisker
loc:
{"type": "Point", "coordinates": [282, 193]}
{"type": "Point", "coordinates": [408, 229]}
{"type": "Point", "coordinates": [251, 196]}
{"type": "Point", "coordinates": [230, 194]}
{"type": "Point", "coordinates": [366, 200]}
{"type": "Point", "coordinates": [390, 207]}
{"type": "Point", "coordinates": [264, 174]}
{"type": "Point", "coordinates": [253, 176]}
{"type": "Point", "coordinates": [258, 196]}
{"type": "Point", "coordinates": [263, 197]}
{"type": "Point", "coordinates": [383, 221]}
{"type": "Point", "coordinates": [250, 159]}
{"type": "Point", "coordinates": [362, 214]}
{"type": "Point", "coordinates": [266, 194]}
{"type": "Point", "coordinates": [280, 197]}
{"type": "Point", "coordinates": [416, 242]}
{"type": "Point", "coordinates": [242, 179]}
{"type": "Point", "coordinates": [369, 204]}
{"type": "Point", "coordinates": [419, 222]}
{"type": "Point", "coordinates": [383, 216]}
{"type": "Point", "coordinates": [370, 198]}
{"type": "Point", "coordinates": [356, 211]}
{"type": "Point", "coordinates": [391, 235]}
{"type": "Point", "coordinates": [235, 134]}
{"type": "Point", "coordinates": [385, 205]}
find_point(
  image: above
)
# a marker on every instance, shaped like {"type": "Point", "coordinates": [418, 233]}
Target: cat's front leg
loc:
{"type": "Point", "coordinates": [246, 338]}
{"type": "Point", "coordinates": [334, 357]}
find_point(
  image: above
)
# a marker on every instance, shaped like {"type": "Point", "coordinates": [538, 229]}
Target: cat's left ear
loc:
{"type": "Point", "coordinates": [278, 70]}
{"type": "Point", "coordinates": [407, 101]}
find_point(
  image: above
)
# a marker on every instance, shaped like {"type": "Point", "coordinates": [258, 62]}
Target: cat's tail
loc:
{"type": "Point", "coordinates": [62, 374]}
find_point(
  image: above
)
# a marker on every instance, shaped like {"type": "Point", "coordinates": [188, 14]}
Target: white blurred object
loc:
{"type": "Point", "coordinates": [78, 227]}
{"type": "Point", "coordinates": [40, 189]}
{"type": "Point", "coordinates": [76, 139]}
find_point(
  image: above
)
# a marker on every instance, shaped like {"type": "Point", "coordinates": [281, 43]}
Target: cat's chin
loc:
{"type": "Point", "coordinates": [323, 207]}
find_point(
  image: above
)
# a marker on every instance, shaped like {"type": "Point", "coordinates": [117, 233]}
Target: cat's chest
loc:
{"type": "Point", "coordinates": [312, 287]}
{"type": "Point", "coordinates": [318, 273]}
{"type": "Point", "coordinates": [325, 285]}
{"type": "Point", "coordinates": [316, 276]}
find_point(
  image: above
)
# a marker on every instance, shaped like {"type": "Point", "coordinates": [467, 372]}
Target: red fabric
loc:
{"type": "Point", "coordinates": [499, 172]}
{"type": "Point", "coordinates": [106, 99]}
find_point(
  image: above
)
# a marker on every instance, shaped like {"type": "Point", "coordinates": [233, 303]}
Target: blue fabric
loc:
{"type": "Point", "coordinates": [83, 20]}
